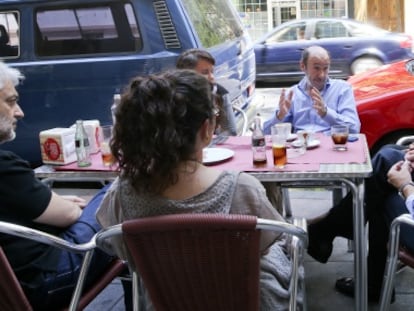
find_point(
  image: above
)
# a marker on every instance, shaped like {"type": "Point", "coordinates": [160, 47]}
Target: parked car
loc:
{"type": "Point", "coordinates": [385, 102]}
{"type": "Point", "coordinates": [354, 48]}
{"type": "Point", "coordinates": [76, 54]}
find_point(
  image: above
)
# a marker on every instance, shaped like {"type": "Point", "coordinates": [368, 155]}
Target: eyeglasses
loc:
{"type": "Point", "coordinates": [216, 112]}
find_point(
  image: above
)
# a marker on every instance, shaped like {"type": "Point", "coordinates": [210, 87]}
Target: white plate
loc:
{"type": "Point", "coordinates": [213, 155]}
{"type": "Point", "coordinates": [312, 144]}
{"type": "Point", "coordinates": [292, 137]}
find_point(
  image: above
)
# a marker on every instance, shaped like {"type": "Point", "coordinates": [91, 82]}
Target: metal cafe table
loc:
{"type": "Point", "coordinates": [317, 167]}
{"type": "Point", "coordinates": [320, 166]}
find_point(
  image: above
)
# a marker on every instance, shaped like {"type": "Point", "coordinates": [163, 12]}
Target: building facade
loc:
{"type": "Point", "coordinates": [260, 16]}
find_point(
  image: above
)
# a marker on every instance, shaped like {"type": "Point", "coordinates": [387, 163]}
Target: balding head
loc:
{"type": "Point", "coordinates": [314, 52]}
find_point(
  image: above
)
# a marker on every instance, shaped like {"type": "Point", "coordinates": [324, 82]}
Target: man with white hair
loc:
{"type": "Point", "coordinates": [47, 274]}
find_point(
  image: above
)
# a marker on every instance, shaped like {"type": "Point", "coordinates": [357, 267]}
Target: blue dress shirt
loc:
{"type": "Point", "coordinates": [338, 97]}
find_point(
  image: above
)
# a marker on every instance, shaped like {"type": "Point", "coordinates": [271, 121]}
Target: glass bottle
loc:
{"type": "Point", "coordinates": [82, 145]}
{"type": "Point", "coordinates": [115, 104]}
{"type": "Point", "coordinates": [258, 143]}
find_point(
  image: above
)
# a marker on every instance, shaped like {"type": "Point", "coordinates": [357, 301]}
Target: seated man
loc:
{"type": "Point", "coordinates": [389, 192]}
{"type": "Point", "coordinates": [203, 62]}
{"type": "Point", "coordinates": [48, 275]}
{"type": "Point", "coordinates": [316, 102]}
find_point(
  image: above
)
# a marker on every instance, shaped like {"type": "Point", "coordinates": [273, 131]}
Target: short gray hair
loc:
{"type": "Point", "coordinates": [9, 74]}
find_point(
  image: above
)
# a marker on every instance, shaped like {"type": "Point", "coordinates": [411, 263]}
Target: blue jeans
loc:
{"type": "Point", "coordinates": [57, 288]}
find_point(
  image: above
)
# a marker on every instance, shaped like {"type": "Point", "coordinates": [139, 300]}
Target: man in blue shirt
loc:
{"type": "Point", "coordinates": [316, 102]}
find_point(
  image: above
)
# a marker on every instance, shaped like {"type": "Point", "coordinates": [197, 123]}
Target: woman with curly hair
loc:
{"type": "Point", "coordinates": [162, 125]}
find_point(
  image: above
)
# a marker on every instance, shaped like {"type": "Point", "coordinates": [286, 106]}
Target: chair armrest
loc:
{"type": "Point", "coordinates": [392, 258]}
{"type": "Point", "coordinates": [245, 121]}
{"type": "Point", "coordinates": [45, 238]}
{"type": "Point", "coordinates": [405, 140]}
{"type": "Point", "coordinates": [85, 248]}
{"type": "Point", "coordinates": [296, 230]}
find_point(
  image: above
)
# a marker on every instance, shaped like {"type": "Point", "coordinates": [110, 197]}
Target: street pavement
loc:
{"type": "Point", "coordinates": [319, 278]}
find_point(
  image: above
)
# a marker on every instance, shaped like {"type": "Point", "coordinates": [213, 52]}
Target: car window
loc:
{"type": "Point", "coordinates": [9, 34]}
{"type": "Point", "coordinates": [215, 21]}
{"type": "Point", "coordinates": [329, 29]}
{"type": "Point", "coordinates": [289, 33]}
{"type": "Point", "coordinates": [86, 30]}
{"type": "Point", "coordinates": [362, 30]}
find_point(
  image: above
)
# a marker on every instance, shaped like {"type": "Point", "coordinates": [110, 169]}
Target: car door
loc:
{"type": "Point", "coordinates": [278, 55]}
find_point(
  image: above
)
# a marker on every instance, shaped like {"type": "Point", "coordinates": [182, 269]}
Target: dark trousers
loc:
{"type": "Point", "coordinates": [382, 205]}
{"type": "Point", "coordinates": [57, 288]}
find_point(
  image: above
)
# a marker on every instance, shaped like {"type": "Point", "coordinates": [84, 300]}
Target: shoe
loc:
{"type": "Point", "coordinates": [320, 245]}
{"type": "Point", "coordinates": [346, 286]}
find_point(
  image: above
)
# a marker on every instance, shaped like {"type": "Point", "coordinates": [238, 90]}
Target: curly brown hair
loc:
{"type": "Point", "coordinates": [156, 125]}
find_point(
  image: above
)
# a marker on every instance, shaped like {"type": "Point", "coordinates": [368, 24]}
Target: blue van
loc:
{"type": "Point", "coordinates": [76, 54]}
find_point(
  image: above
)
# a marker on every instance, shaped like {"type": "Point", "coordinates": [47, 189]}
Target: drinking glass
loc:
{"type": "Point", "coordinates": [107, 158]}
{"type": "Point", "coordinates": [279, 148]}
{"type": "Point", "coordinates": [284, 129]}
{"type": "Point", "coordinates": [339, 134]}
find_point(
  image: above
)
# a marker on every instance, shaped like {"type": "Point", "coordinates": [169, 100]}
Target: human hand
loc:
{"type": "Point", "coordinates": [399, 174]}
{"type": "Point", "coordinates": [75, 199]}
{"type": "Point", "coordinates": [284, 104]}
{"type": "Point", "coordinates": [409, 156]}
{"type": "Point", "coordinates": [318, 103]}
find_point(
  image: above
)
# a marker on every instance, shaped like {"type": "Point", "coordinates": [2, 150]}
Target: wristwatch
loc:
{"type": "Point", "coordinates": [402, 187]}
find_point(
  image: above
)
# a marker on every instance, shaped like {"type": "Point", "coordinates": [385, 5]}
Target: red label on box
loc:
{"type": "Point", "coordinates": [51, 149]}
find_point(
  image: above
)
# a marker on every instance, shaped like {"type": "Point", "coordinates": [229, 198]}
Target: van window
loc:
{"type": "Point", "coordinates": [9, 35]}
{"type": "Point", "coordinates": [87, 30]}
{"type": "Point", "coordinates": [215, 21]}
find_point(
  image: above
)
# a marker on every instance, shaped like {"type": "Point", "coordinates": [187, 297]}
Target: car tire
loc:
{"type": "Point", "coordinates": [365, 63]}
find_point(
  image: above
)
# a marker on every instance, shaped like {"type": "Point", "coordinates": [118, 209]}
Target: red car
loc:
{"type": "Point", "coordinates": [385, 102]}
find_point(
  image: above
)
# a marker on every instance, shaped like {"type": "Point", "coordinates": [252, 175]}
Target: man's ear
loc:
{"type": "Point", "coordinates": [302, 66]}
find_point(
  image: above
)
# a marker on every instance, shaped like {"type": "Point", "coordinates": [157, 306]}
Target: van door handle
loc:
{"type": "Point", "coordinates": [239, 48]}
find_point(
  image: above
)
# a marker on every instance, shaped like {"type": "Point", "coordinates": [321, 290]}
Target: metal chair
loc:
{"type": "Point", "coordinates": [202, 261]}
{"type": "Point", "coordinates": [245, 119]}
{"type": "Point", "coordinates": [12, 296]}
{"type": "Point", "coordinates": [395, 252]}
{"type": "Point", "coordinates": [405, 140]}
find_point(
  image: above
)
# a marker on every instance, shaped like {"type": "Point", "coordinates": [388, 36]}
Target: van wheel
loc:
{"type": "Point", "coordinates": [365, 63]}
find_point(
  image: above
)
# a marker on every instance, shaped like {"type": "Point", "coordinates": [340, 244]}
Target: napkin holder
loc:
{"type": "Point", "coordinates": [58, 145]}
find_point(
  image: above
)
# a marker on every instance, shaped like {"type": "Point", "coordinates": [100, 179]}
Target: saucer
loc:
{"type": "Point", "coordinates": [312, 144]}
{"type": "Point", "coordinates": [292, 137]}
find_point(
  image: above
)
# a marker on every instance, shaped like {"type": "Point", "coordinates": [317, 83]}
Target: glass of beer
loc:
{"type": "Point", "coordinates": [284, 128]}
{"type": "Point", "coordinates": [339, 134]}
{"type": "Point", "coordinates": [279, 150]}
{"type": "Point", "coordinates": [107, 158]}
